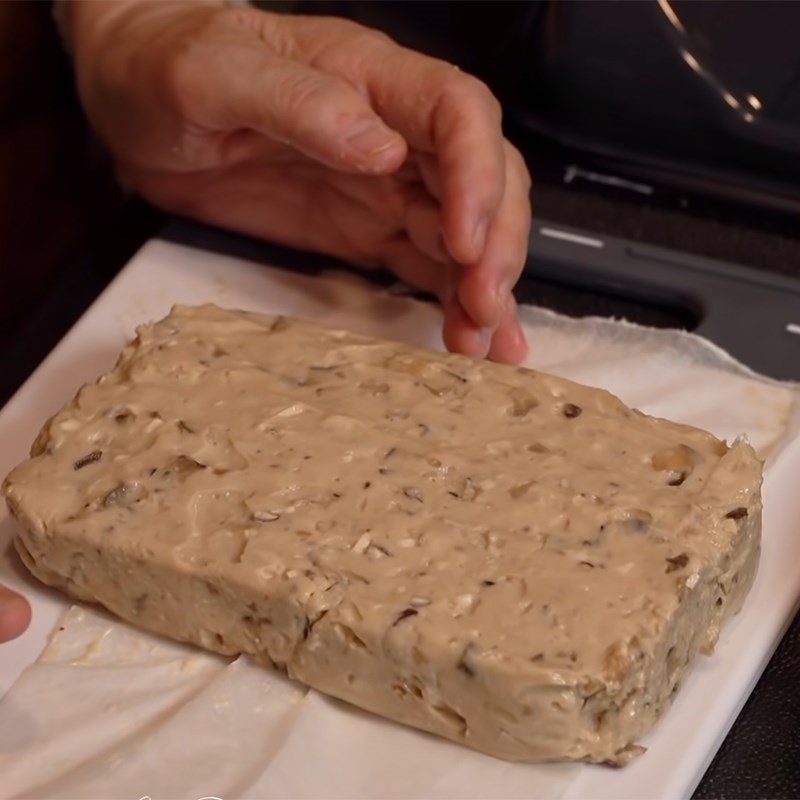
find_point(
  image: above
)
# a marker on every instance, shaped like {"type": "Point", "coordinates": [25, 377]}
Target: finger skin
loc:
{"type": "Point", "coordinates": [320, 115]}
{"type": "Point", "coordinates": [167, 83]}
{"type": "Point", "coordinates": [468, 140]}
{"type": "Point", "coordinates": [433, 105]}
{"type": "Point", "coordinates": [461, 335]}
{"type": "Point", "coordinates": [485, 286]}
{"type": "Point", "coordinates": [15, 614]}
{"type": "Point", "coordinates": [423, 222]}
{"type": "Point", "coordinates": [509, 344]}
{"type": "Point", "coordinates": [404, 258]}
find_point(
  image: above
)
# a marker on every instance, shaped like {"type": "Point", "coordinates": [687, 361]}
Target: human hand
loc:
{"type": "Point", "coordinates": [15, 614]}
{"type": "Point", "coordinates": [318, 134]}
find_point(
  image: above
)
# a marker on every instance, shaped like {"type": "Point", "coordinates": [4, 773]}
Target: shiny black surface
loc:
{"type": "Point", "coordinates": [761, 755]}
{"type": "Point", "coordinates": [752, 315]}
{"type": "Point", "coordinates": [700, 97]}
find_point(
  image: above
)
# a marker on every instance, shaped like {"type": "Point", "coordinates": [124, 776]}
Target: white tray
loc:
{"type": "Point", "coordinates": [162, 274]}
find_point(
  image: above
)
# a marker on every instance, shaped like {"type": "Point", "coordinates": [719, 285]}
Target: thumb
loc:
{"type": "Point", "coordinates": [320, 115]}
{"type": "Point", "coordinates": [15, 614]}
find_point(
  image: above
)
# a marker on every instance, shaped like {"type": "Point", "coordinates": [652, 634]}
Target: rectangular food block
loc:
{"type": "Point", "coordinates": [498, 556]}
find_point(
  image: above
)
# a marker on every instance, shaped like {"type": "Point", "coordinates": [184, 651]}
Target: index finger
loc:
{"type": "Point", "coordinates": [15, 614]}
{"type": "Point", "coordinates": [456, 118]}
{"type": "Point", "coordinates": [435, 107]}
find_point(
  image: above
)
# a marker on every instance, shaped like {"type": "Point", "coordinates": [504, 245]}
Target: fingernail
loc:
{"type": "Point", "coordinates": [479, 235]}
{"type": "Point", "coordinates": [370, 138]}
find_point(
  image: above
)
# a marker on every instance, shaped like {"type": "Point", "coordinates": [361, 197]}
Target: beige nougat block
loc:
{"type": "Point", "coordinates": [502, 557]}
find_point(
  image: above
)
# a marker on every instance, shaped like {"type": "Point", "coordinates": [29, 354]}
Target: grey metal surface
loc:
{"type": "Point", "coordinates": [753, 315]}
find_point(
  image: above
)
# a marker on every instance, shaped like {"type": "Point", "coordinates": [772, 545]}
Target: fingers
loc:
{"type": "Point", "coordinates": [509, 344]}
{"type": "Point", "coordinates": [468, 140]}
{"type": "Point", "coordinates": [506, 343]}
{"type": "Point", "coordinates": [251, 86]}
{"type": "Point", "coordinates": [484, 288]}
{"type": "Point", "coordinates": [319, 115]}
{"type": "Point", "coordinates": [453, 123]}
{"type": "Point", "coordinates": [353, 99]}
{"type": "Point", "coordinates": [461, 335]}
{"type": "Point", "coordinates": [437, 109]}
{"type": "Point", "coordinates": [15, 614]}
{"type": "Point", "coordinates": [404, 258]}
{"type": "Point", "coordinates": [422, 221]}
{"type": "Point", "coordinates": [457, 119]}
{"type": "Point", "coordinates": [428, 169]}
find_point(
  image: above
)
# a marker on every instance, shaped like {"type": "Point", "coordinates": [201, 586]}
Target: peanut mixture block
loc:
{"type": "Point", "coordinates": [499, 556]}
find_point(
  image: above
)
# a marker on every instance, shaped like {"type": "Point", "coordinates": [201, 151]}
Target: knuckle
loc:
{"type": "Point", "coordinates": [469, 90]}
{"type": "Point", "coordinates": [526, 177]}
{"type": "Point", "coordinates": [357, 35]}
{"type": "Point", "coordinates": [482, 91]}
{"type": "Point", "coordinates": [270, 29]}
{"type": "Point", "coordinates": [304, 99]}
{"type": "Point", "coordinates": [239, 16]}
{"type": "Point", "coordinates": [495, 108]}
{"type": "Point", "coordinates": [469, 97]}
{"type": "Point", "coordinates": [366, 37]}
{"type": "Point", "coordinates": [518, 165]}
{"type": "Point", "coordinates": [181, 65]}
{"type": "Point", "coordinates": [353, 47]}
{"type": "Point", "coordinates": [180, 79]}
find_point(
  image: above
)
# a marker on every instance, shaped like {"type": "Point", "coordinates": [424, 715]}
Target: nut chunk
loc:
{"type": "Point", "coordinates": [498, 556]}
